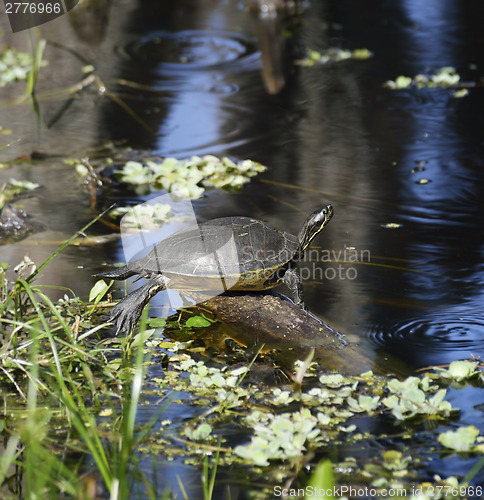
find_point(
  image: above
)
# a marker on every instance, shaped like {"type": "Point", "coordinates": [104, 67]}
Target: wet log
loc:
{"type": "Point", "coordinates": [290, 333]}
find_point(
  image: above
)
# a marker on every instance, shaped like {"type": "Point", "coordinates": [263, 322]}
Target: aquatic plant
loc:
{"type": "Point", "coordinates": [16, 65]}
{"type": "Point", "coordinates": [80, 392]}
{"type": "Point", "coordinates": [191, 177]}
{"type": "Point", "coordinates": [445, 77]}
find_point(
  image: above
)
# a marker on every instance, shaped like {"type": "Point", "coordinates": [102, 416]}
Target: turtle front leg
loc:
{"type": "Point", "coordinates": [292, 280]}
{"type": "Point", "coordinates": [127, 312]}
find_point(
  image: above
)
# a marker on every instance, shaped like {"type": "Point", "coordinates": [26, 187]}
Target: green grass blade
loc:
{"type": "Point", "coordinates": [83, 421]}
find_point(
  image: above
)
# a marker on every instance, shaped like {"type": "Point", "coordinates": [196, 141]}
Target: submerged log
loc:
{"type": "Point", "coordinates": [272, 319]}
{"type": "Point", "coordinates": [290, 333]}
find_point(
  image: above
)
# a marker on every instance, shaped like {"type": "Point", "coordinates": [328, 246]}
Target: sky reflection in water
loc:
{"type": "Point", "coordinates": [336, 133]}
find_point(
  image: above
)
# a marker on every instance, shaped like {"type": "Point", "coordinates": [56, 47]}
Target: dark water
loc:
{"type": "Point", "coordinates": [333, 135]}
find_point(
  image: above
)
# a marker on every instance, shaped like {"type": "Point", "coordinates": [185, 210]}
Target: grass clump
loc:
{"type": "Point", "coordinates": [72, 395]}
{"type": "Point", "coordinates": [54, 361]}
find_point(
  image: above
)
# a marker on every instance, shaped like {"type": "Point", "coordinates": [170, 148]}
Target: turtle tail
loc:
{"type": "Point", "coordinates": [121, 273]}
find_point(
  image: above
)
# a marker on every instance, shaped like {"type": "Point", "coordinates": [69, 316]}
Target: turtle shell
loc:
{"type": "Point", "coordinates": [243, 251]}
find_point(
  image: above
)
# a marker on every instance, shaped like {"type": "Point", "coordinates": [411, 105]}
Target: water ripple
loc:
{"type": "Point", "coordinates": [191, 50]}
{"type": "Point", "coordinates": [443, 331]}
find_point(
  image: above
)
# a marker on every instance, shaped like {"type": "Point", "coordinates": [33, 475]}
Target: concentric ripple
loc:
{"type": "Point", "coordinates": [192, 49]}
{"type": "Point", "coordinates": [443, 331]}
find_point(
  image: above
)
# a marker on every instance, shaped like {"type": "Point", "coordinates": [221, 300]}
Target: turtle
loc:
{"type": "Point", "coordinates": [229, 253]}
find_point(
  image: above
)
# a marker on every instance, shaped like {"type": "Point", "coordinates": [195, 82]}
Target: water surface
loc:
{"type": "Point", "coordinates": [411, 158]}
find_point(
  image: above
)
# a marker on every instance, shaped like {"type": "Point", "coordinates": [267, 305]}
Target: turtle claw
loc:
{"type": "Point", "coordinates": [126, 313]}
{"type": "Point", "coordinates": [124, 319]}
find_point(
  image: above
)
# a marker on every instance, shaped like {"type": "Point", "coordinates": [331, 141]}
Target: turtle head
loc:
{"type": "Point", "coordinates": [313, 225]}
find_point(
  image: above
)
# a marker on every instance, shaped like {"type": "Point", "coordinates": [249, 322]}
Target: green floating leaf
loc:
{"type": "Point", "coordinates": [364, 403]}
{"type": "Point", "coordinates": [200, 433]}
{"type": "Point", "coordinates": [252, 454]}
{"type": "Point", "coordinates": [23, 185]}
{"type": "Point", "coordinates": [334, 380]}
{"type": "Point", "coordinates": [444, 77]}
{"type": "Point", "coordinates": [15, 65]}
{"type": "Point", "coordinates": [458, 94]}
{"type": "Point", "coordinates": [279, 436]}
{"type": "Point", "coordinates": [394, 460]}
{"type": "Point", "coordinates": [463, 439]}
{"type": "Point", "coordinates": [197, 322]}
{"type": "Point", "coordinates": [143, 216]}
{"type": "Point", "coordinates": [189, 178]}
{"type": "Point", "coordinates": [135, 172]}
{"type": "Point", "coordinates": [81, 170]}
{"type": "Point", "coordinates": [157, 323]}
{"type": "Point", "coordinates": [15, 187]}
{"type": "Point", "coordinates": [332, 55]}
{"type": "Point", "coordinates": [412, 397]}
{"type": "Point", "coordinates": [403, 82]}
{"type": "Point", "coordinates": [460, 370]}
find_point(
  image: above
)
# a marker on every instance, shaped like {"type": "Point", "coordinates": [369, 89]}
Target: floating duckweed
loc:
{"type": "Point", "coordinates": [21, 186]}
{"type": "Point", "coordinates": [460, 93]}
{"type": "Point", "coordinates": [15, 187]}
{"type": "Point", "coordinates": [15, 65]}
{"type": "Point", "coordinates": [411, 397]}
{"type": "Point", "coordinates": [361, 54]}
{"type": "Point", "coordinates": [335, 380]}
{"type": "Point", "coordinates": [332, 55]}
{"type": "Point", "coordinates": [389, 472]}
{"type": "Point", "coordinates": [135, 172]}
{"type": "Point", "coordinates": [462, 440]}
{"type": "Point", "coordinates": [143, 216]}
{"type": "Point", "coordinates": [279, 436]}
{"type": "Point", "coordinates": [444, 77]}
{"type": "Point", "coordinates": [190, 178]}
{"type": "Point", "coordinates": [364, 403]}
{"type": "Point", "coordinates": [281, 397]}
{"type": "Point", "coordinates": [286, 425]}
{"type": "Point", "coordinates": [402, 82]}
{"type": "Point", "coordinates": [88, 68]}
{"type": "Point", "coordinates": [204, 377]}
{"type": "Point", "coordinates": [200, 433]}
{"type": "Point", "coordinates": [394, 460]}
{"type": "Point", "coordinates": [459, 370]}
